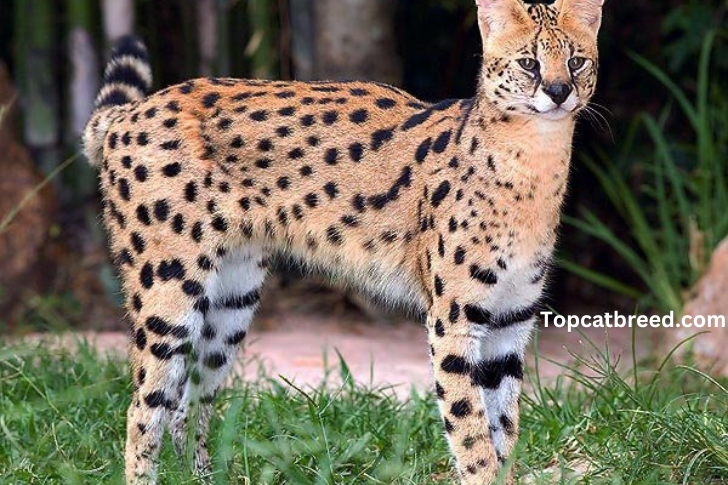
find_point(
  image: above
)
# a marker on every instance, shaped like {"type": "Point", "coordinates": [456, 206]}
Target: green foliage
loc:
{"type": "Point", "coordinates": [63, 422]}
{"type": "Point", "coordinates": [679, 216]}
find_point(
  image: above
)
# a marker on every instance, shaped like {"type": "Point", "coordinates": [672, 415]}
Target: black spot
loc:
{"type": "Point", "coordinates": [192, 288]}
{"type": "Point", "coordinates": [197, 232]}
{"type": "Point", "coordinates": [141, 339]}
{"type": "Point", "coordinates": [172, 269]}
{"type": "Point", "coordinates": [379, 201]}
{"type": "Point", "coordinates": [204, 263]}
{"type": "Point", "coordinates": [162, 351]}
{"type": "Point", "coordinates": [162, 327]}
{"type": "Point", "coordinates": [448, 426]}
{"type": "Point", "coordinates": [485, 276]}
{"type": "Point", "coordinates": [440, 193]}
{"type": "Point", "coordinates": [113, 138]}
{"type": "Point", "coordinates": [215, 360]}
{"type": "Point", "coordinates": [490, 373]}
{"type": "Point", "coordinates": [442, 141]}
{"type": "Point", "coordinates": [331, 157]}
{"type": "Point", "coordinates": [170, 122]}
{"type": "Point", "coordinates": [351, 221]}
{"type": "Point", "coordinates": [306, 171]}
{"type": "Point", "coordinates": [439, 328]}
{"type": "Point", "coordinates": [359, 202]}
{"type": "Point", "coordinates": [263, 163]}
{"type": "Point", "coordinates": [161, 210]}
{"type": "Point", "coordinates": [311, 200]}
{"type": "Point", "coordinates": [140, 173]}
{"type": "Point", "coordinates": [239, 302]}
{"type": "Point", "coordinates": [124, 189]}
{"type": "Point", "coordinates": [146, 276]}
{"type": "Point", "coordinates": [178, 223]}
{"type": "Point", "coordinates": [143, 215]}
{"type": "Point", "coordinates": [237, 142]}
{"type": "Point", "coordinates": [385, 103]}
{"type": "Point", "coordinates": [459, 255]}
{"type": "Point", "coordinates": [422, 150]}
{"type": "Point", "coordinates": [265, 145]}
{"type": "Point", "coordinates": [333, 234]}
{"type": "Point", "coordinates": [260, 115]}
{"type": "Point", "coordinates": [138, 242]}
{"type": "Point", "coordinates": [235, 338]}
{"type": "Point", "coordinates": [439, 286]}
{"type": "Point", "coordinates": [244, 203]}
{"type": "Point", "coordinates": [209, 100]}
{"type": "Point", "coordinates": [172, 169]}
{"type": "Point", "coordinates": [156, 399]}
{"type": "Point", "coordinates": [331, 189]}
{"type": "Point", "coordinates": [356, 151]}
{"type": "Point", "coordinates": [454, 312]}
{"type": "Point", "coordinates": [295, 154]}
{"type": "Point", "coordinates": [171, 145]}
{"type": "Point", "coordinates": [202, 305]}
{"type": "Point", "coordinates": [461, 408]}
{"type": "Point", "coordinates": [359, 116]}
{"type": "Point", "coordinates": [330, 117]}
{"type": "Point", "coordinates": [313, 141]}
{"type": "Point", "coordinates": [283, 183]}
{"type": "Point", "coordinates": [507, 424]}
{"type": "Point", "coordinates": [126, 161]}
{"type": "Point", "coordinates": [380, 137]}
{"type": "Point", "coordinates": [477, 314]}
{"type": "Point", "coordinates": [208, 332]}
{"type": "Point", "coordinates": [283, 131]}
{"type": "Point", "coordinates": [439, 390]}
{"type": "Point", "coordinates": [454, 364]}
{"type": "Point", "coordinates": [137, 302]}
{"type": "Point", "coordinates": [287, 111]}
{"type": "Point", "coordinates": [220, 224]}
{"type": "Point", "coordinates": [142, 139]}
{"type": "Point", "coordinates": [308, 120]}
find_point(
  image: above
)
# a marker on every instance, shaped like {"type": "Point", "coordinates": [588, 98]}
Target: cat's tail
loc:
{"type": "Point", "coordinates": [127, 78]}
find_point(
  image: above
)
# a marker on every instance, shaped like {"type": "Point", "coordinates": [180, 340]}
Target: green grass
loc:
{"type": "Point", "coordinates": [62, 421]}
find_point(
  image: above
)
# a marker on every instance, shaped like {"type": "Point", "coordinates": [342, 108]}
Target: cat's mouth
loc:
{"type": "Point", "coordinates": [555, 113]}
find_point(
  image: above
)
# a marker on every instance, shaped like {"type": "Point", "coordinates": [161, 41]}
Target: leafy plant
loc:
{"type": "Point", "coordinates": [678, 218]}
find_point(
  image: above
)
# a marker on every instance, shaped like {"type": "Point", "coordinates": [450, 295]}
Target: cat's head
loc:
{"type": "Point", "coordinates": [539, 60]}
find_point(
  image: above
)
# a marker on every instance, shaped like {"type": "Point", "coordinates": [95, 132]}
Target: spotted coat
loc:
{"type": "Point", "coordinates": [449, 209]}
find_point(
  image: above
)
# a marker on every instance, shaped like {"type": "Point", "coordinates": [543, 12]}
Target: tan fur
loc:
{"type": "Point", "coordinates": [449, 209]}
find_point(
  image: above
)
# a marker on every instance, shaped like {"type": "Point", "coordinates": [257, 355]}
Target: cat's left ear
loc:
{"type": "Point", "coordinates": [588, 13]}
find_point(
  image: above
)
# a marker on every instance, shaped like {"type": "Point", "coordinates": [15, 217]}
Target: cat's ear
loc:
{"type": "Point", "coordinates": [498, 15]}
{"type": "Point", "coordinates": [588, 13]}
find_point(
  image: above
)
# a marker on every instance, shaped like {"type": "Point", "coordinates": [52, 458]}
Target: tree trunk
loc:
{"type": "Point", "coordinates": [303, 39]}
{"type": "Point", "coordinates": [84, 64]}
{"type": "Point", "coordinates": [80, 179]}
{"type": "Point", "coordinates": [118, 19]}
{"type": "Point", "coordinates": [355, 40]}
{"type": "Point", "coordinates": [37, 62]}
{"type": "Point", "coordinates": [207, 35]}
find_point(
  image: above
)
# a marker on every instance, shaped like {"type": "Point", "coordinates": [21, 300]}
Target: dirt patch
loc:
{"type": "Point", "coordinates": [303, 349]}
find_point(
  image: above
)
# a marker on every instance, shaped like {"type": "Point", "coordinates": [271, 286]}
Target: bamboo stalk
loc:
{"type": "Point", "coordinates": [261, 47]}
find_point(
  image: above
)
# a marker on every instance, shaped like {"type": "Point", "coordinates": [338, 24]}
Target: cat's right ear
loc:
{"type": "Point", "coordinates": [497, 15]}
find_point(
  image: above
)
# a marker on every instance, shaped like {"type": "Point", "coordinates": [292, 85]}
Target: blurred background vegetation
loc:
{"type": "Point", "coordinates": [649, 195]}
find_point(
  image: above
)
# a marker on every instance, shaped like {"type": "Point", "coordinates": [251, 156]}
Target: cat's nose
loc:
{"type": "Point", "coordinates": [558, 91]}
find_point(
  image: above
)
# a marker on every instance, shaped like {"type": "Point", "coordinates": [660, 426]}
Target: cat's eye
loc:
{"type": "Point", "coordinates": [576, 63]}
{"type": "Point", "coordinates": [528, 64]}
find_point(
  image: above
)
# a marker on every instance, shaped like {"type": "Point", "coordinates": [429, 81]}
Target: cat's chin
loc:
{"type": "Point", "coordinates": [555, 114]}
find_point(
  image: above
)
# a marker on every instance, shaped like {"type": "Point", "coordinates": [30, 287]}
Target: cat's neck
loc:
{"type": "Point", "coordinates": [528, 143]}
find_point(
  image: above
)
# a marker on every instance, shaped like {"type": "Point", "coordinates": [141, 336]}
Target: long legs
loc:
{"type": "Point", "coordinates": [232, 296]}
